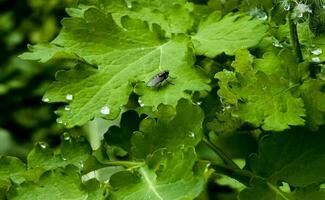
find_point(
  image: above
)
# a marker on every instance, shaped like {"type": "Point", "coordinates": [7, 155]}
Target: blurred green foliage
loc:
{"type": "Point", "coordinates": [24, 117]}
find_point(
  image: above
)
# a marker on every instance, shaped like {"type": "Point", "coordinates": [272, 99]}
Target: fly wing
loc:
{"type": "Point", "coordinates": [155, 81]}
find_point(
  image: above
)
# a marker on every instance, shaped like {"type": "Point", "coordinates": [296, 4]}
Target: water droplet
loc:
{"type": "Point", "coordinates": [59, 120]}
{"type": "Point", "coordinates": [66, 136]}
{"type": "Point", "coordinates": [192, 134]}
{"type": "Point", "coordinates": [258, 13]}
{"type": "Point", "coordinates": [105, 110]}
{"type": "Point", "coordinates": [129, 4]}
{"type": "Point", "coordinates": [69, 97]}
{"type": "Point", "coordinates": [315, 59]}
{"type": "Point", "coordinates": [46, 99]}
{"type": "Point", "coordinates": [224, 108]}
{"type": "Point", "coordinates": [81, 164]}
{"type": "Point", "coordinates": [301, 9]}
{"type": "Point", "coordinates": [276, 43]}
{"type": "Point", "coordinates": [286, 6]}
{"type": "Point", "coordinates": [317, 52]}
{"type": "Point", "coordinates": [67, 108]}
{"type": "Point", "coordinates": [43, 145]}
{"type": "Point", "coordinates": [140, 103]}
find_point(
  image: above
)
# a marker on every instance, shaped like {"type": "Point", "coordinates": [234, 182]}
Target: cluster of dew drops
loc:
{"type": "Point", "coordinates": [69, 97]}
{"type": "Point", "coordinates": [66, 137]}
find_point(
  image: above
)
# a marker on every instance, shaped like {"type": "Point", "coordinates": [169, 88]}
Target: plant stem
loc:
{"type": "Point", "coordinates": [240, 175]}
{"type": "Point", "coordinates": [127, 164]}
{"type": "Point", "coordinates": [295, 39]}
{"type": "Point", "coordinates": [226, 159]}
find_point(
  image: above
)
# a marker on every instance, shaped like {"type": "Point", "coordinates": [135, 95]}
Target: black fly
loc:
{"type": "Point", "coordinates": [159, 79]}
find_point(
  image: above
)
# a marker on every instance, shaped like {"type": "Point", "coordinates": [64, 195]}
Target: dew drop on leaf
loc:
{"type": "Point", "coordinates": [315, 59]}
{"type": "Point", "coordinates": [140, 103]}
{"type": "Point", "coordinates": [276, 43]}
{"type": "Point", "coordinates": [287, 6]}
{"type": "Point", "coordinates": [81, 164]}
{"type": "Point", "coordinates": [46, 99]}
{"type": "Point", "coordinates": [43, 145]}
{"type": "Point", "coordinates": [105, 110]}
{"type": "Point", "coordinates": [191, 134]}
{"type": "Point", "coordinates": [129, 4]}
{"type": "Point", "coordinates": [69, 97]}
{"type": "Point", "coordinates": [317, 52]}
{"type": "Point", "coordinates": [66, 136]}
{"type": "Point", "coordinates": [258, 13]}
{"type": "Point", "coordinates": [59, 120]}
{"type": "Point", "coordinates": [67, 108]}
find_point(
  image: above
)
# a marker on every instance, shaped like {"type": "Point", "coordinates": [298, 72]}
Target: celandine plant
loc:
{"type": "Point", "coordinates": [160, 84]}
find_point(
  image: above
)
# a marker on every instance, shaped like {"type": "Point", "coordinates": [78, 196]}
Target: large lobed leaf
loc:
{"type": "Point", "coordinates": [124, 55]}
{"type": "Point", "coordinates": [261, 99]}
{"type": "Point", "coordinates": [268, 101]}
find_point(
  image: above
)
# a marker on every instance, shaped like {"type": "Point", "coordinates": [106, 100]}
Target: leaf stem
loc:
{"type": "Point", "coordinates": [241, 175]}
{"type": "Point", "coordinates": [295, 39]}
{"type": "Point", "coordinates": [127, 164]}
{"type": "Point", "coordinates": [226, 159]}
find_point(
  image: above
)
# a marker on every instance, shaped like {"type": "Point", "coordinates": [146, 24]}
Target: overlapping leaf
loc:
{"type": "Point", "coordinates": [124, 55]}
{"type": "Point", "coordinates": [57, 184]}
{"type": "Point", "coordinates": [10, 167]}
{"type": "Point", "coordinates": [231, 33]}
{"type": "Point", "coordinates": [169, 130]}
{"type": "Point", "coordinates": [166, 176]}
{"type": "Point", "coordinates": [261, 100]}
{"type": "Point", "coordinates": [73, 151]}
{"type": "Point", "coordinates": [299, 167]}
{"type": "Point", "coordinates": [173, 16]}
{"type": "Point", "coordinates": [314, 102]}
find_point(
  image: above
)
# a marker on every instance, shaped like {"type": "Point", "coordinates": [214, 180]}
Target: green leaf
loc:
{"type": "Point", "coordinates": [132, 54]}
{"type": "Point", "coordinates": [57, 184]}
{"type": "Point", "coordinates": [166, 176]}
{"type": "Point", "coordinates": [95, 190]}
{"type": "Point", "coordinates": [308, 159]}
{"type": "Point", "coordinates": [74, 150]}
{"type": "Point", "coordinates": [10, 168]}
{"type": "Point", "coordinates": [227, 35]}
{"type": "Point", "coordinates": [263, 190]}
{"type": "Point", "coordinates": [313, 96]}
{"type": "Point", "coordinates": [173, 16]}
{"type": "Point", "coordinates": [169, 131]}
{"type": "Point", "coordinates": [300, 165]}
{"type": "Point", "coordinates": [261, 99]}
{"type": "Point", "coordinates": [266, 191]}
{"type": "Point", "coordinates": [319, 50]}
